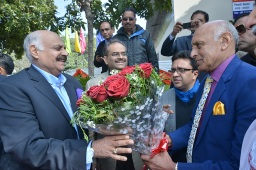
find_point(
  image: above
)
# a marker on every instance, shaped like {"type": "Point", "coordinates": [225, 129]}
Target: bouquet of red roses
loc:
{"type": "Point", "coordinates": [127, 102]}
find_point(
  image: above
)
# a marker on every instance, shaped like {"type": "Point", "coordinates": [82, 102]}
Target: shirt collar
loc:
{"type": "Point", "coordinates": [217, 73]}
{"type": "Point", "coordinates": [53, 80]}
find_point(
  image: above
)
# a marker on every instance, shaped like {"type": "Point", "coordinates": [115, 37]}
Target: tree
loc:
{"type": "Point", "coordinates": [20, 17]}
{"type": "Point", "coordinates": [112, 11]}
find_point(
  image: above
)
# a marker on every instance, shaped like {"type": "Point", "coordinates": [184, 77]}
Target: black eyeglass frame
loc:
{"type": "Point", "coordinates": [128, 18]}
{"type": "Point", "coordinates": [180, 70]}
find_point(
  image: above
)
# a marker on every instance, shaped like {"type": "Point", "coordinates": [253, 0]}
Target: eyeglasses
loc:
{"type": "Point", "coordinates": [179, 70]}
{"type": "Point", "coordinates": [116, 54]}
{"type": "Point", "coordinates": [129, 18]}
{"type": "Point", "coordinates": [241, 29]}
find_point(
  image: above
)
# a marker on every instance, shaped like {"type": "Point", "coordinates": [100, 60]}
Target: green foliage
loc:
{"type": "Point", "coordinates": [82, 80]}
{"type": "Point", "coordinates": [76, 60]}
{"type": "Point", "coordinates": [113, 10]}
{"type": "Point", "coordinates": [20, 17]}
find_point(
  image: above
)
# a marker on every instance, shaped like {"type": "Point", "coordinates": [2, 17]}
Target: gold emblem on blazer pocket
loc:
{"type": "Point", "coordinates": [218, 108]}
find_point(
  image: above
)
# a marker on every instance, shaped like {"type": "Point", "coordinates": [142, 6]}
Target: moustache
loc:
{"type": "Point", "coordinates": [120, 60]}
{"type": "Point", "coordinates": [62, 58]}
{"type": "Point", "coordinates": [127, 24]}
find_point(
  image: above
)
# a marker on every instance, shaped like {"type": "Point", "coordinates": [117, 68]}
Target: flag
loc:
{"type": "Point", "coordinates": [77, 44]}
{"type": "Point", "coordinates": [82, 41]}
{"type": "Point", "coordinates": [67, 40]}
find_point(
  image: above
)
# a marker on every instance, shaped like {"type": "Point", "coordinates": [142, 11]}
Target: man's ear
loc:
{"type": "Point", "coordinates": [195, 73]}
{"type": "Point", "coordinates": [33, 51]}
{"type": "Point", "coordinates": [225, 40]}
{"type": "Point", "coordinates": [1, 71]}
{"type": "Point", "coordinates": [105, 59]}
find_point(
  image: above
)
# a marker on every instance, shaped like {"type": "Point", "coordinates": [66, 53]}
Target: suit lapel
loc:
{"type": "Point", "coordinates": [71, 90]}
{"type": "Point", "coordinates": [189, 42]}
{"type": "Point", "coordinates": [46, 89]}
{"type": "Point", "coordinates": [219, 90]}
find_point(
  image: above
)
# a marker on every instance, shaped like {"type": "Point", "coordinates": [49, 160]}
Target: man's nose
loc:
{"type": "Point", "coordinates": [193, 53]}
{"type": "Point", "coordinates": [65, 53]}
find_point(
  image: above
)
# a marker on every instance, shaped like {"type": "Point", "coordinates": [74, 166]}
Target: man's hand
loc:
{"type": "Point", "coordinates": [161, 161]}
{"type": "Point", "coordinates": [169, 140]}
{"type": "Point", "coordinates": [110, 146]}
{"type": "Point", "coordinates": [98, 58]}
{"type": "Point", "coordinates": [166, 108]}
{"type": "Point", "coordinates": [176, 29]}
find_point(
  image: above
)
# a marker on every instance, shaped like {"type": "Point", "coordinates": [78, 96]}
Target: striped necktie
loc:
{"type": "Point", "coordinates": [207, 87]}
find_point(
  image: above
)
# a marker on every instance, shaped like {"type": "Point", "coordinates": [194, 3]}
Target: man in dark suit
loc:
{"type": "Point", "coordinates": [228, 110]}
{"type": "Point", "coordinates": [106, 30]}
{"type": "Point", "coordinates": [173, 45]}
{"type": "Point", "coordinates": [36, 107]}
{"type": "Point", "coordinates": [2, 77]}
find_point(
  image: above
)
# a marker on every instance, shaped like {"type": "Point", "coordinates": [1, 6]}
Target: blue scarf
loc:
{"type": "Point", "coordinates": [188, 95]}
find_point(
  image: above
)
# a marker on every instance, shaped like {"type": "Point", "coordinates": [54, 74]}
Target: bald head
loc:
{"type": "Point", "coordinates": [37, 38]}
{"type": "Point", "coordinates": [219, 27]}
{"type": "Point", "coordinates": [213, 43]}
{"type": "Point", "coordinates": [46, 50]}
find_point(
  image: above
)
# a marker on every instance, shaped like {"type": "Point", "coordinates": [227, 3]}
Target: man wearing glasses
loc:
{"type": "Point", "coordinates": [140, 47]}
{"type": "Point", "coordinates": [220, 119]}
{"type": "Point", "coordinates": [106, 30]}
{"type": "Point", "coordinates": [247, 40]}
{"type": "Point", "coordinates": [182, 96]}
{"type": "Point", "coordinates": [115, 57]}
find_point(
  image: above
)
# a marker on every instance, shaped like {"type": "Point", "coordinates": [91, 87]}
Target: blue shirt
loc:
{"type": "Point", "coordinates": [57, 84]}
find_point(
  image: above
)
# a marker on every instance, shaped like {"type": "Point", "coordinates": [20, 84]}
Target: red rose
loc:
{"type": "Point", "coordinates": [97, 93]}
{"type": "Point", "coordinates": [147, 69]}
{"type": "Point", "coordinates": [127, 70]}
{"type": "Point", "coordinates": [117, 86]}
{"type": "Point", "coordinates": [110, 79]}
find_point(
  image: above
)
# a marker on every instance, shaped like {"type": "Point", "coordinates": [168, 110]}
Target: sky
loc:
{"type": "Point", "coordinates": [61, 4]}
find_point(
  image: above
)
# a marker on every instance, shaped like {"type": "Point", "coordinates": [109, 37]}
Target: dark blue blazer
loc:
{"type": "Point", "coordinates": [35, 126]}
{"type": "Point", "coordinates": [2, 77]}
{"type": "Point", "coordinates": [170, 47]}
{"type": "Point", "coordinates": [218, 143]}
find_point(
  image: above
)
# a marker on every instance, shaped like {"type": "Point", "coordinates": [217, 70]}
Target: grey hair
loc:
{"type": "Point", "coordinates": [225, 26]}
{"type": "Point", "coordinates": [33, 38]}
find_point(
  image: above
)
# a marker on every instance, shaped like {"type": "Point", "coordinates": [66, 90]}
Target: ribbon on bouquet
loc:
{"type": "Point", "coordinates": [163, 146]}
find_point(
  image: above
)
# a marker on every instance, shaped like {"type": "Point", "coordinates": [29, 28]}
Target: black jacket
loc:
{"type": "Point", "coordinates": [99, 52]}
{"type": "Point", "coordinates": [140, 47]}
